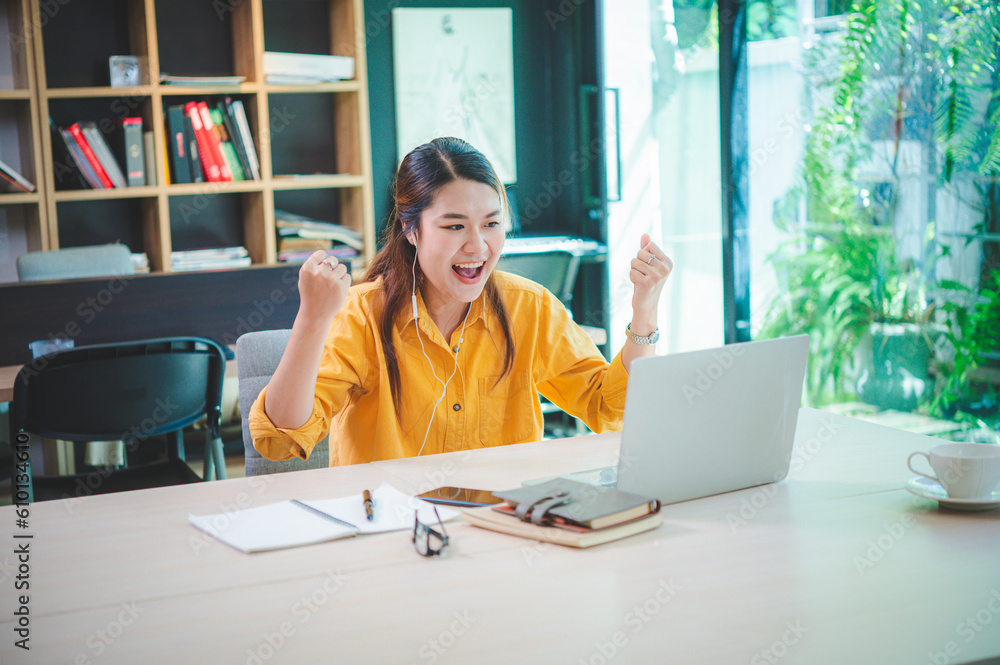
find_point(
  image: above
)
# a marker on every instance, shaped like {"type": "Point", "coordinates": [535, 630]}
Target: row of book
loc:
{"type": "Point", "coordinates": [299, 236]}
{"type": "Point", "coordinates": [90, 161]}
{"type": "Point", "coordinates": [211, 144]}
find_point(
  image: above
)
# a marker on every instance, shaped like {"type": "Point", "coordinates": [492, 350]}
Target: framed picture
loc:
{"type": "Point", "coordinates": [454, 76]}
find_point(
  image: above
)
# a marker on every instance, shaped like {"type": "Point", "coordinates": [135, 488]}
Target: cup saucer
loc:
{"type": "Point", "coordinates": [930, 489]}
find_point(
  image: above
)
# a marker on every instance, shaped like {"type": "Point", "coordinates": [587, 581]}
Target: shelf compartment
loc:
{"type": "Point", "coordinates": [16, 141]}
{"type": "Point", "coordinates": [249, 103]}
{"type": "Point", "coordinates": [100, 221]}
{"type": "Point", "coordinates": [20, 232]}
{"type": "Point", "coordinates": [107, 113]}
{"type": "Point", "coordinates": [79, 38]}
{"type": "Point", "coordinates": [338, 206]}
{"type": "Point", "coordinates": [301, 131]}
{"type": "Point", "coordinates": [209, 220]}
{"type": "Point", "coordinates": [198, 38]}
{"type": "Point", "coordinates": [16, 73]}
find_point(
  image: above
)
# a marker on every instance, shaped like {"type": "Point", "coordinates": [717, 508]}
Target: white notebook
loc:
{"type": "Point", "coordinates": [287, 524]}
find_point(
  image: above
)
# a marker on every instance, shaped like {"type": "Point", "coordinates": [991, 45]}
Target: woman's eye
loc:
{"type": "Point", "coordinates": [455, 227]}
{"type": "Point", "coordinates": [492, 224]}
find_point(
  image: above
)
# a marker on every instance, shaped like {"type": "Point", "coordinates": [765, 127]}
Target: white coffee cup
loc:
{"type": "Point", "coordinates": [965, 470]}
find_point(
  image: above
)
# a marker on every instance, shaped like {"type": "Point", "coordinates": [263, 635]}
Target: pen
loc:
{"type": "Point", "coordinates": [369, 506]}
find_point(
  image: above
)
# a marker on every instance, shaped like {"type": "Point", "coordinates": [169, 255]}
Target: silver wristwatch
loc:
{"type": "Point", "coordinates": [652, 339]}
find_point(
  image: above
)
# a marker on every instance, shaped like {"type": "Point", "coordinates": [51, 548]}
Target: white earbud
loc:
{"type": "Point", "coordinates": [413, 272]}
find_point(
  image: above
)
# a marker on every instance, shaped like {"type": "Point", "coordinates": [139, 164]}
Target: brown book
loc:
{"type": "Point", "coordinates": [583, 505]}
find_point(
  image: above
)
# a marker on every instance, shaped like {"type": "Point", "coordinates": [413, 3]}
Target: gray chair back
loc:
{"type": "Point", "coordinates": [112, 260]}
{"type": "Point", "coordinates": [257, 356]}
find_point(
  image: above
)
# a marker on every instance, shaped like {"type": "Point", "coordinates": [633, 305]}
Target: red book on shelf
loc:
{"type": "Point", "coordinates": [209, 163]}
{"type": "Point", "coordinates": [102, 175]}
{"type": "Point", "coordinates": [216, 139]}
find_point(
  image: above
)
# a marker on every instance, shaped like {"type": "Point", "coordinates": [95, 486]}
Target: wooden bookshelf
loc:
{"type": "Point", "coordinates": [312, 142]}
{"type": "Point", "coordinates": [22, 214]}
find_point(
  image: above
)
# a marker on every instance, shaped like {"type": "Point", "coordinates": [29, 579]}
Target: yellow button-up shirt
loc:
{"type": "Point", "coordinates": [353, 402]}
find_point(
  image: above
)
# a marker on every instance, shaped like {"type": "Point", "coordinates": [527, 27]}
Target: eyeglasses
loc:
{"type": "Point", "coordinates": [427, 540]}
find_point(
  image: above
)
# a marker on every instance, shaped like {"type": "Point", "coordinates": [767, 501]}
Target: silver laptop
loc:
{"type": "Point", "coordinates": [711, 421]}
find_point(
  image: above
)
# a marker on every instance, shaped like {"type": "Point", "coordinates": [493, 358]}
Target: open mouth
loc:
{"type": "Point", "coordinates": [469, 271]}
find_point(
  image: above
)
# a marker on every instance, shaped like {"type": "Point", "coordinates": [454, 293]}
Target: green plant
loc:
{"type": "Point", "coordinates": [972, 335]}
{"type": "Point", "coordinates": [902, 74]}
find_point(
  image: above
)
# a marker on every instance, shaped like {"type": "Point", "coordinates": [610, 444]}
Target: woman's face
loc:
{"type": "Point", "coordinates": [459, 242]}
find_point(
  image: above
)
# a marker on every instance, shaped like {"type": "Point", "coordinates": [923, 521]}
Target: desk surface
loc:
{"type": "Point", "coordinates": [837, 564]}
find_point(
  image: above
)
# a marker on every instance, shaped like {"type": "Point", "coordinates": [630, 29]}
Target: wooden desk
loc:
{"type": "Point", "coordinates": [837, 564]}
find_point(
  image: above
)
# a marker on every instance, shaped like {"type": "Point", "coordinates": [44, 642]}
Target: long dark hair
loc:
{"type": "Point", "coordinates": [422, 173]}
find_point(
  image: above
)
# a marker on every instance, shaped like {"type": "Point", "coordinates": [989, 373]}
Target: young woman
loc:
{"type": "Point", "coordinates": [436, 351]}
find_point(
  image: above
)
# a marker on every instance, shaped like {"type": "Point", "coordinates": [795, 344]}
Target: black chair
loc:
{"type": "Point", "coordinates": [131, 391]}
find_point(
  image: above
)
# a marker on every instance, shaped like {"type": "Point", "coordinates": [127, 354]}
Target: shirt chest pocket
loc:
{"type": "Point", "coordinates": [507, 409]}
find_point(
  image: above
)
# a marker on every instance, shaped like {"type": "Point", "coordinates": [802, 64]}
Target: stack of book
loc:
{"type": "Point", "coordinates": [306, 69]}
{"type": "Point", "coordinates": [211, 144]}
{"type": "Point", "coordinates": [216, 258]}
{"type": "Point", "coordinates": [300, 236]}
{"type": "Point", "coordinates": [574, 514]}
{"type": "Point", "coordinates": [86, 157]}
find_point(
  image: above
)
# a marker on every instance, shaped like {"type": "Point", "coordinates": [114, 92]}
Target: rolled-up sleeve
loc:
{"type": "Point", "coordinates": [574, 375]}
{"type": "Point", "coordinates": [343, 370]}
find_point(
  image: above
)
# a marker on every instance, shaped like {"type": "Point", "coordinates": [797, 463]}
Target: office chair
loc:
{"type": "Point", "coordinates": [112, 260]}
{"type": "Point", "coordinates": [555, 270]}
{"type": "Point", "coordinates": [257, 356]}
{"type": "Point", "coordinates": [131, 391]}
{"type": "Point", "coordinates": [75, 263]}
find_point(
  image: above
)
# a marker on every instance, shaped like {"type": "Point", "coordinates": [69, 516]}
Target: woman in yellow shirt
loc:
{"type": "Point", "coordinates": [435, 351]}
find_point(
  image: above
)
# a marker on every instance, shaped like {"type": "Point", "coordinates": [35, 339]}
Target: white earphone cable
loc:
{"type": "Point", "coordinates": [461, 338]}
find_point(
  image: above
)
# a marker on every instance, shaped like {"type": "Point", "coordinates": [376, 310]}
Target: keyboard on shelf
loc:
{"type": "Point", "coordinates": [576, 245]}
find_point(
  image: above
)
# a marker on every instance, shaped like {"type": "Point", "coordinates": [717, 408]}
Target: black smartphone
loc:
{"type": "Point", "coordinates": [460, 496]}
